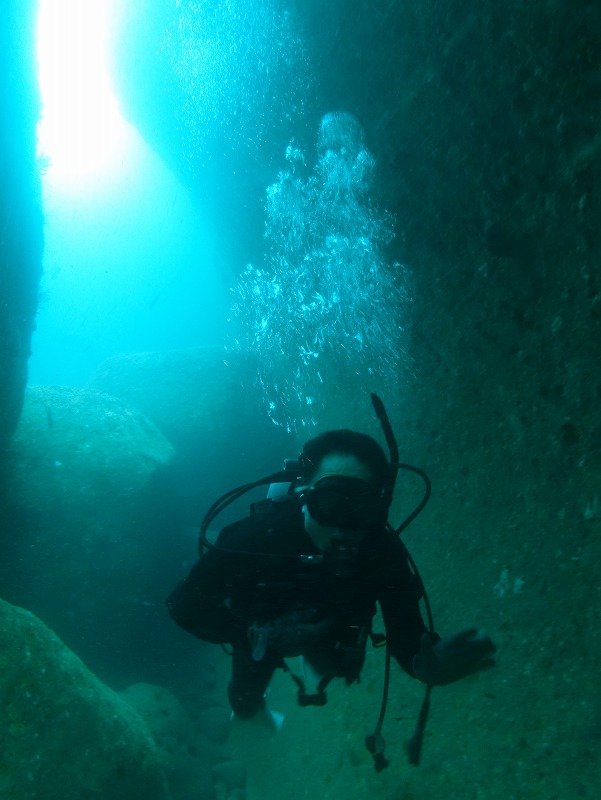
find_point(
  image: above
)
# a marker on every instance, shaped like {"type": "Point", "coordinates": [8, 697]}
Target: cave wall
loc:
{"type": "Point", "coordinates": [21, 225]}
{"type": "Point", "coordinates": [487, 126]}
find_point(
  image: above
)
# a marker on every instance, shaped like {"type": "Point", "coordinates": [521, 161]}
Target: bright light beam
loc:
{"type": "Point", "coordinates": [81, 131]}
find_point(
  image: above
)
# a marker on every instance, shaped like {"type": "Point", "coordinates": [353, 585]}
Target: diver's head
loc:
{"type": "Point", "coordinates": [345, 442]}
{"type": "Point", "coordinates": [344, 475]}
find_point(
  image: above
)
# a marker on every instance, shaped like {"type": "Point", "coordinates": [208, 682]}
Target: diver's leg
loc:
{"type": "Point", "coordinates": [250, 679]}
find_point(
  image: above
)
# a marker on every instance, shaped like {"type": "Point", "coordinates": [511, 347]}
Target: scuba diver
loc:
{"type": "Point", "coordinates": [302, 576]}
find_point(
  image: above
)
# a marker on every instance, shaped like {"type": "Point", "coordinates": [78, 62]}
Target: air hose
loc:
{"type": "Point", "coordinates": [375, 742]}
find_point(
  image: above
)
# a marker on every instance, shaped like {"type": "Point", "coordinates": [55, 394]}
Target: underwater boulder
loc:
{"type": "Point", "coordinates": [206, 401]}
{"type": "Point", "coordinates": [82, 540]}
{"type": "Point", "coordinates": [64, 734]}
{"type": "Point", "coordinates": [189, 752]}
{"type": "Point", "coordinates": [162, 712]}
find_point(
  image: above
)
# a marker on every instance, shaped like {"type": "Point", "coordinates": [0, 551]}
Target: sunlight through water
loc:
{"type": "Point", "coordinates": [130, 263]}
{"type": "Point", "coordinates": [81, 131]}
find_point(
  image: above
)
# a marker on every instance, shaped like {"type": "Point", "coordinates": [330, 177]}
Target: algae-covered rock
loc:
{"type": "Point", "coordinates": [80, 439]}
{"type": "Point", "coordinates": [199, 392]}
{"type": "Point", "coordinates": [187, 753]}
{"type": "Point", "coordinates": [163, 714]}
{"type": "Point", "coordinates": [206, 401]}
{"type": "Point", "coordinates": [64, 735]}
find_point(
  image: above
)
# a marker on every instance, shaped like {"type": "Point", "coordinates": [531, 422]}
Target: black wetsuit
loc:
{"type": "Point", "coordinates": [227, 593]}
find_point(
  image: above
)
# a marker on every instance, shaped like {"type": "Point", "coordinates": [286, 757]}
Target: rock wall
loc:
{"type": "Point", "coordinates": [21, 234]}
{"type": "Point", "coordinates": [486, 122]}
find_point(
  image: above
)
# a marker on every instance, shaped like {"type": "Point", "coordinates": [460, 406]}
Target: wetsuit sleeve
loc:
{"type": "Point", "coordinates": [399, 600]}
{"type": "Point", "coordinates": [200, 604]}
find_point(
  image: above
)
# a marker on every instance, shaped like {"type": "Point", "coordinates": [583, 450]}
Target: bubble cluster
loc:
{"type": "Point", "coordinates": [324, 310]}
{"type": "Point", "coordinates": [240, 69]}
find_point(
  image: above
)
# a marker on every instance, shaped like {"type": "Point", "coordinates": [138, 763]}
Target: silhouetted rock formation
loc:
{"type": "Point", "coordinates": [21, 232]}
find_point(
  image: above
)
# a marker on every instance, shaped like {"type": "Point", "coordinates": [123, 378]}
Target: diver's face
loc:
{"type": "Point", "coordinates": [327, 537]}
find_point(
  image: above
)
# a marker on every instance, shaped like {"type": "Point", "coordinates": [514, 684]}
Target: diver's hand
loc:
{"type": "Point", "coordinates": [453, 657]}
{"type": "Point", "coordinates": [288, 635]}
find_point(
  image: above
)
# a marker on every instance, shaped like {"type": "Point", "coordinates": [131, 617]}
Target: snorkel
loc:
{"type": "Point", "coordinates": [393, 448]}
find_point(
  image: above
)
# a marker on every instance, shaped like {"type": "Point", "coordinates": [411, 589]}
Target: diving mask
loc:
{"type": "Point", "coordinates": [347, 503]}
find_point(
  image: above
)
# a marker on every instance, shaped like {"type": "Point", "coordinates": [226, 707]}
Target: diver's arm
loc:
{"type": "Point", "coordinates": [404, 626]}
{"type": "Point", "coordinates": [199, 604]}
{"type": "Point", "coordinates": [399, 598]}
{"type": "Point", "coordinates": [426, 656]}
{"type": "Point", "coordinates": [454, 657]}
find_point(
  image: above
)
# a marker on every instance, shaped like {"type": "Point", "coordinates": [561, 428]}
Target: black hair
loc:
{"type": "Point", "coordinates": [345, 442]}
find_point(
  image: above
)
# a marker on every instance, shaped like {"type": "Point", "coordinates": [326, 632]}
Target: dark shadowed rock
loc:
{"type": "Point", "coordinates": [21, 223]}
{"type": "Point", "coordinates": [82, 540]}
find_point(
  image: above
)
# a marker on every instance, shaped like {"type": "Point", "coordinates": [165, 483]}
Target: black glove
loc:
{"type": "Point", "coordinates": [289, 635]}
{"type": "Point", "coordinates": [453, 658]}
